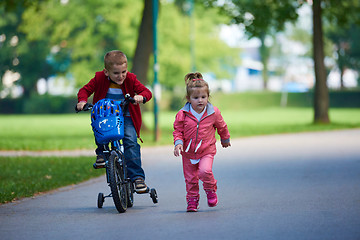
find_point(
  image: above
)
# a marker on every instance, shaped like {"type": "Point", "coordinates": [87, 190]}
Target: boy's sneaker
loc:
{"type": "Point", "coordinates": [212, 198]}
{"type": "Point", "coordinates": [193, 204]}
{"type": "Point", "coordinates": [140, 186]}
{"type": "Point", "coordinates": [100, 161]}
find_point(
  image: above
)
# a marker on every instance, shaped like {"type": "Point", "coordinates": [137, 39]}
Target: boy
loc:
{"type": "Point", "coordinates": [114, 82]}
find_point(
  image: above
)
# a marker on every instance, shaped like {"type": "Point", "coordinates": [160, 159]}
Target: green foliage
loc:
{"type": "Point", "coordinates": [25, 176]}
{"type": "Point", "coordinates": [345, 40]}
{"type": "Point", "coordinates": [176, 102]}
{"type": "Point", "coordinates": [38, 104]}
{"type": "Point", "coordinates": [334, 10]}
{"type": "Point", "coordinates": [20, 55]}
{"type": "Point", "coordinates": [259, 17]}
{"type": "Point", "coordinates": [73, 37]}
{"type": "Point", "coordinates": [211, 54]}
{"type": "Point", "coordinates": [84, 29]}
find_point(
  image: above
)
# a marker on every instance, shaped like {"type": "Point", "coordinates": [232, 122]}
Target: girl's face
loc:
{"type": "Point", "coordinates": [117, 73]}
{"type": "Point", "coordinates": [199, 99]}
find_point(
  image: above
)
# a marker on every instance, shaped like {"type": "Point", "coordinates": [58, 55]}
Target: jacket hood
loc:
{"type": "Point", "coordinates": [209, 108]}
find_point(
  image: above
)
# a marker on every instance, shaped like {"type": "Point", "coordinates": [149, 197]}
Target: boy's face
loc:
{"type": "Point", "coordinates": [117, 73]}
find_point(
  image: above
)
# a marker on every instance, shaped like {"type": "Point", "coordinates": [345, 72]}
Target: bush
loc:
{"type": "Point", "coordinates": [38, 105]}
{"type": "Point", "coordinates": [176, 102]}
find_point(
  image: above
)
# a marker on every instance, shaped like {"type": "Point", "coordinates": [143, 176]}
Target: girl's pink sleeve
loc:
{"type": "Point", "coordinates": [221, 126]}
{"type": "Point", "coordinates": [178, 128]}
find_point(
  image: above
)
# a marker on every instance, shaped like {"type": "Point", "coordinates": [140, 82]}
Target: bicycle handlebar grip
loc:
{"type": "Point", "coordinates": [87, 107]}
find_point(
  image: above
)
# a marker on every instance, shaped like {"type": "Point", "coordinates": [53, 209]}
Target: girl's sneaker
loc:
{"type": "Point", "coordinates": [193, 204]}
{"type": "Point", "coordinates": [212, 198]}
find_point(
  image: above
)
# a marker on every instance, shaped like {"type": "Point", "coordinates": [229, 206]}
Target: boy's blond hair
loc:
{"type": "Point", "coordinates": [114, 57]}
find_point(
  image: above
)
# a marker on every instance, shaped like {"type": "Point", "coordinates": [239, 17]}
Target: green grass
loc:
{"type": "Point", "coordinates": [24, 176]}
{"type": "Point", "coordinates": [45, 132]}
{"type": "Point", "coordinates": [73, 131]}
{"type": "Point", "coordinates": [264, 121]}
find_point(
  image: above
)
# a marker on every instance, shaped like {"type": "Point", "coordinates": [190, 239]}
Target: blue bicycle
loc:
{"type": "Point", "coordinates": [107, 122]}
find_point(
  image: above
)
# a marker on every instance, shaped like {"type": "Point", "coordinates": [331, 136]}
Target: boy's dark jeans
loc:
{"type": "Point", "coordinates": [131, 150]}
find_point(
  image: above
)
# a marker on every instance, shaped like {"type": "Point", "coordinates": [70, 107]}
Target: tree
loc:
{"type": "Point", "coordinates": [212, 55]}
{"type": "Point", "coordinates": [334, 13]}
{"type": "Point", "coordinates": [259, 17]}
{"type": "Point", "coordinates": [84, 31]}
{"type": "Point", "coordinates": [74, 35]}
{"type": "Point", "coordinates": [144, 46]}
{"type": "Point", "coordinates": [345, 40]}
{"type": "Point", "coordinates": [321, 95]}
{"type": "Point", "coordinates": [261, 20]}
{"type": "Point", "coordinates": [17, 53]}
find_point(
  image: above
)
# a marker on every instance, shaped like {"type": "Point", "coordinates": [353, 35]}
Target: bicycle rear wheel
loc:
{"type": "Point", "coordinates": [117, 182]}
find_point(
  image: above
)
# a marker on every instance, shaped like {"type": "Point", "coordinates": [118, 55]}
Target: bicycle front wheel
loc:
{"type": "Point", "coordinates": [117, 182]}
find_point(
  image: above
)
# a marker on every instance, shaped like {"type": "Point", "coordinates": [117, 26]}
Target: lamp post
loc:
{"type": "Point", "coordinates": [156, 85]}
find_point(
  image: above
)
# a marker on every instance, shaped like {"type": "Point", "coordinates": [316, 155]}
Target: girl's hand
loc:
{"type": "Point", "coordinates": [178, 149]}
{"type": "Point", "coordinates": [225, 144]}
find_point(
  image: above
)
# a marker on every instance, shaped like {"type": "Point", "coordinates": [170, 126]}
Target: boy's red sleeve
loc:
{"type": "Point", "coordinates": [140, 89]}
{"type": "Point", "coordinates": [86, 91]}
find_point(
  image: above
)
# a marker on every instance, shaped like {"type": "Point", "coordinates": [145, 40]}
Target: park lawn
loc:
{"type": "Point", "coordinates": [25, 176]}
{"type": "Point", "coordinates": [73, 131]}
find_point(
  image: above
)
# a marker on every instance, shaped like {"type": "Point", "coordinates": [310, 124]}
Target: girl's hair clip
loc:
{"type": "Point", "coordinates": [198, 79]}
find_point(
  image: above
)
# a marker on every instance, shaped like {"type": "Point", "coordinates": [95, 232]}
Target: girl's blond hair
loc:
{"type": "Point", "coordinates": [193, 81]}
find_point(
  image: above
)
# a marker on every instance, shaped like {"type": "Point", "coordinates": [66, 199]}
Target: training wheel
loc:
{"type": "Point", "coordinates": [153, 195]}
{"type": "Point", "coordinates": [101, 200]}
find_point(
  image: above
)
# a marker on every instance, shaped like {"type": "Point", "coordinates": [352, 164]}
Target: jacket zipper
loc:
{"type": "Point", "coordinates": [197, 130]}
{"type": "Point", "coordinates": [197, 133]}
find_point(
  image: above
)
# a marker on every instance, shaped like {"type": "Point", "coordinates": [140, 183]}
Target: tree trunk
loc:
{"type": "Point", "coordinates": [321, 95]}
{"type": "Point", "coordinates": [144, 45]}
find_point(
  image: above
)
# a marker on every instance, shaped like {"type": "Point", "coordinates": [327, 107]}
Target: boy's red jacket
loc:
{"type": "Point", "coordinates": [99, 85]}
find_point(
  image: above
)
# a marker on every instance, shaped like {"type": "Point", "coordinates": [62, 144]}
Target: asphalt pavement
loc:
{"type": "Point", "coordinates": [290, 186]}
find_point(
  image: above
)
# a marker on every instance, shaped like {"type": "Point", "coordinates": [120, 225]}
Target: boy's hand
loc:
{"type": "Point", "coordinates": [138, 99]}
{"type": "Point", "coordinates": [225, 144]}
{"type": "Point", "coordinates": [178, 149]}
{"type": "Point", "coordinates": [80, 105]}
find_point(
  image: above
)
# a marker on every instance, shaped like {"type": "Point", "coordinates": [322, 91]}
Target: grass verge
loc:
{"type": "Point", "coordinates": [73, 131]}
{"type": "Point", "coordinates": [25, 176]}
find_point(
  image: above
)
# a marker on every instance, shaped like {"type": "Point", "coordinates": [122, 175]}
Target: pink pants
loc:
{"type": "Point", "coordinates": [202, 171]}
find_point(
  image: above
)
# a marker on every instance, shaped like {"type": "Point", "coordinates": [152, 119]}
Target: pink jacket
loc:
{"type": "Point", "coordinates": [198, 137]}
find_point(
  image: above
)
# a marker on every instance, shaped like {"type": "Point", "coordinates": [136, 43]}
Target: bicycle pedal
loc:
{"type": "Point", "coordinates": [97, 166]}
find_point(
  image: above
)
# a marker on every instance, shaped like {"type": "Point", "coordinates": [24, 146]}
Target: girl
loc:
{"type": "Point", "coordinates": [194, 139]}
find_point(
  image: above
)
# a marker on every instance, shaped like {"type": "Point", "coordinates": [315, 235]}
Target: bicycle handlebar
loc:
{"type": "Point", "coordinates": [128, 99]}
{"type": "Point", "coordinates": [87, 107]}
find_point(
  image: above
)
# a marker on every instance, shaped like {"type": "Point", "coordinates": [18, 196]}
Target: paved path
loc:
{"type": "Point", "coordinates": [293, 186]}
